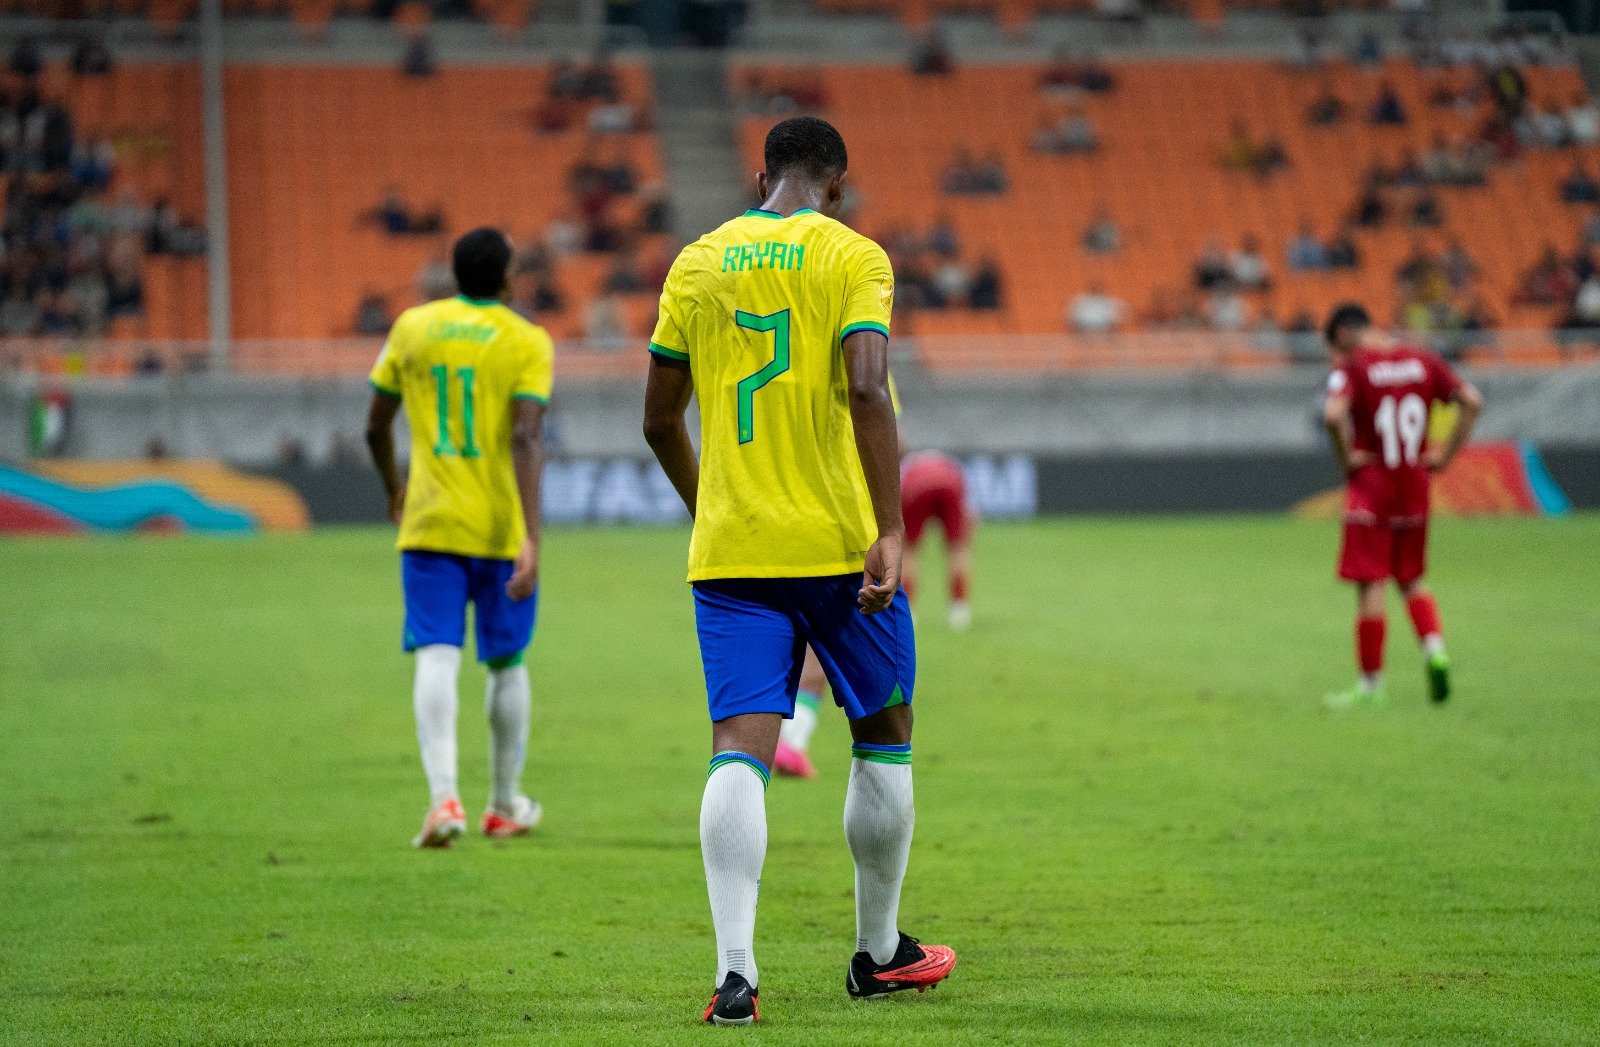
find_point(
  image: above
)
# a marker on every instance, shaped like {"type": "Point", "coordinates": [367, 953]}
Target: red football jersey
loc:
{"type": "Point", "coordinates": [1392, 393]}
{"type": "Point", "coordinates": [929, 471]}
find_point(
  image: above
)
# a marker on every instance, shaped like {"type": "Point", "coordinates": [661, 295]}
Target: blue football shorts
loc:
{"type": "Point", "coordinates": [754, 631]}
{"type": "Point", "coordinates": [438, 587]}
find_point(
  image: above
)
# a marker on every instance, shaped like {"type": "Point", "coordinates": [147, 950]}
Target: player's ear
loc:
{"type": "Point", "coordinates": [761, 185]}
{"type": "Point", "coordinates": [835, 190]}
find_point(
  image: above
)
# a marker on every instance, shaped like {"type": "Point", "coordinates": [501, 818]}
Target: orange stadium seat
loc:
{"type": "Point", "coordinates": [313, 148]}
{"type": "Point", "coordinates": [1159, 171]}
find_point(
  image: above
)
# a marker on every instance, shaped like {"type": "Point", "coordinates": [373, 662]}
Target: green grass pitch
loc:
{"type": "Point", "coordinates": [1135, 821]}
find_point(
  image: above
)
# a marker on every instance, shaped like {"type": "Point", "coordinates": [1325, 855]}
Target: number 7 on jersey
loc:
{"type": "Point", "coordinates": [778, 324]}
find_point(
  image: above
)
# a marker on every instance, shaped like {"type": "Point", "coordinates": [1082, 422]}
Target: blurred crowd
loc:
{"type": "Point", "coordinates": [73, 236]}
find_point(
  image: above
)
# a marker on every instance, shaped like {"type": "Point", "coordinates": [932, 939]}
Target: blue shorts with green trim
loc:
{"type": "Point", "coordinates": [438, 587]}
{"type": "Point", "coordinates": [754, 632]}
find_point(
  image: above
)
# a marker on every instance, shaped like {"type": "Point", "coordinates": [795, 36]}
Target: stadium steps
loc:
{"type": "Point", "coordinates": [699, 140]}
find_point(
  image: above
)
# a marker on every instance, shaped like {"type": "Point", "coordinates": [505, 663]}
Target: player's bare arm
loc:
{"type": "Point", "coordinates": [866, 361]}
{"type": "Point", "coordinates": [527, 460]}
{"type": "Point", "coordinates": [380, 444]}
{"type": "Point", "coordinates": [1341, 431]}
{"type": "Point", "coordinates": [666, 399]}
{"type": "Point", "coordinates": [1469, 401]}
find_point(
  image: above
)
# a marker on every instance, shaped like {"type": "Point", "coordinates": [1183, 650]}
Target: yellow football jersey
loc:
{"type": "Point", "coordinates": [759, 308]}
{"type": "Point", "coordinates": [458, 364]}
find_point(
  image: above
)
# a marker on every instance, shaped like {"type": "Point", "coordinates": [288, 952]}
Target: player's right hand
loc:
{"type": "Point", "coordinates": [881, 579]}
{"type": "Point", "coordinates": [1356, 461]}
{"type": "Point", "coordinates": [525, 574]}
{"type": "Point", "coordinates": [397, 504]}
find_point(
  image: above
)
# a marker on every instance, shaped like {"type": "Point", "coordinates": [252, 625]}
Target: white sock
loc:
{"type": "Point", "coordinates": [1432, 644]}
{"type": "Point", "coordinates": [797, 730]}
{"type": "Point", "coordinates": [1371, 683]}
{"type": "Point", "coordinates": [434, 697]}
{"type": "Point", "coordinates": [878, 818]}
{"type": "Point", "coordinates": [733, 842]}
{"type": "Point", "coordinates": [506, 699]}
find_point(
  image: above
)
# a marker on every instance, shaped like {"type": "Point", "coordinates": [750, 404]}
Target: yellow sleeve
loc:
{"type": "Point", "coordinates": [537, 373]}
{"type": "Point", "coordinates": [869, 298]}
{"type": "Point", "coordinates": [385, 375]}
{"type": "Point", "coordinates": [669, 340]}
{"type": "Point", "coordinates": [894, 397]}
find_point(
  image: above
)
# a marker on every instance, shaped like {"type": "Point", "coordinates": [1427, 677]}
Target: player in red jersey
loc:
{"type": "Point", "coordinates": [1380, 397]}
{"type": "Point", "coordinates": [932, 489]}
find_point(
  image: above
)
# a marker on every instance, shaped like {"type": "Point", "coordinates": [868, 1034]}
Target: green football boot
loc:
{"type": "Point", "coordinates": [1439, 677]}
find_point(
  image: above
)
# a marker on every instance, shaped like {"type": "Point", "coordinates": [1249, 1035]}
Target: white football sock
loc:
{"type": "Point", "coordinates": [878, 818]}
{"type": "Point", "coordinates": [1432, 644]}
{"type": "Point", "coordinates": [507, 699]}
{"type": "Point", "coordinates": [1371, 683]}
{"type": "Point", "coordinates": [733, 842]}
{"type": "Point", "coordinates": [797, 730]}
{"type": "Point", "coordinates": [434, 697]}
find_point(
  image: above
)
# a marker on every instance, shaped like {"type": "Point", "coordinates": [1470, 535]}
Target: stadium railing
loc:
{"type": "Point", "coordinates": [1019, 354]}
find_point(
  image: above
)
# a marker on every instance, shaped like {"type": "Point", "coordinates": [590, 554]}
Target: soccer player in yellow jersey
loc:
{"type": "Point", "coordinates": [474, 378]}
{"type": "Point", "coordinates": [778, 322]}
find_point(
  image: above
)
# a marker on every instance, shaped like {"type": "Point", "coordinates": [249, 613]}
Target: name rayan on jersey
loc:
{"type": "Point", "coordinates": [459, 330]}
{"type": "Point", "coordinates": [1396, 372]}
{"type": "Point", "coordinates": [768, 254]}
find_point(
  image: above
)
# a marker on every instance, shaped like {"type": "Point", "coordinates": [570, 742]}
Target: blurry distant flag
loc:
{"type": "Point", "coordinates": [48, 423]}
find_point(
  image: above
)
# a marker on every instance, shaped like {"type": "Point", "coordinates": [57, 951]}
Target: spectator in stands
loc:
{"type": "Point", "coordinates": [1239, 152]}
{"type": "Point", "coordinates": [1583, 120]}
{"type": "Point", "coordinates": [1342, 250]}
{"type": "Point", "coordinates": [1102, 236]}
{"type": "Point", "coordinates": [953, 281]}
{"type": "Point", "coordinates": [1457, 265]}
{"type": "Point", "coordinates": [1069, 134]}
{"type": "Point", "coordinates": [970, 177]}
{"type": "Point", "coordinates": [436, 280]}
{"type": "Point", "coordinates": [1170, 310]}
{"type": "Point", "coordinates": [1095, 312]}
{"type": "Point", "coordinates": [1423, 209]}
{"type": "Point", "coordinates": [992, 177]}
{"type": "Point", "coordinates": [1304, 252]}
{"type": "Point", "coordinates": [1124, 16]}
{"type": "Point", "coordinates": [1582, 318]}
{"type": "Point", "coordinates": [1507, 87]}
{"type": "Point", "coordinates": [1541, 127]}
{"type": "Point", "coordinates": [1579, 187]}
{"type": "Point", "coordinates": [1067, 75]}
{"type": "Point", "coordinates": [625, 276]}
{"type": "Point", "coordinates": [419, 60]}
{"type": "Point", "coordinates": [1407, 173]}
{"type": "Point", "coordinates": [1549, 281]}
{"type": "Point", "coordinates": [1212, 269]}
{"type": "Point", "coordinates": [1387, 109]}
{"type": "Point", "coordinates": [617, 117]}
{"type": "Point", "coordinates": [1247, 267]}
{"type": "Point", "coordinates": [988, 288]}
{"type": "Point", "coordinates": [1371, 209]}
{"type": "Point", "coordinates": [27, 61]}
{"type": "Point", "coordinates": [1303, 338]}
{"type": "Point", "coordinates": [597, 80]}
{"type": "Point", "coordinates": [1590, 237]}
{"type": "Point", "coordinates": [942, 239]}
{"type": "Point", "coordinates": [931, 56]}
{"type": "Point", "coordinates": [171, 234]}
{"type": "Point", "coordinates": [90, 57]}
{"type": "Point", "coordinates": [373, 315]}
{"type": "Point", "coordinates": [1226, 310]}
{"type": "Point", "coordinates": [124, 290]}
{"type": "Point", "coordinates": [564, 235]}
{"type": "Point", "coordinates": [1327, 109]}
{"type": "Point", "coordinates": [655, 209]}
{"type": "Point", "coordinates": [1367, 50]}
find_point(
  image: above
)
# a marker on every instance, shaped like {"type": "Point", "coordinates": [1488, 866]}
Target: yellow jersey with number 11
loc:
{"type": "Point", "coordinates": [759, 309]}
{"type": "Point", "coordinates": [458, 364]}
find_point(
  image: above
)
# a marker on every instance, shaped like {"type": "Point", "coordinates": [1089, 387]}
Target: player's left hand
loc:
{"type": "Point", "coordinates": [1435, 461]}
{"type": "Point", "coordinates": [525, 574]}
{"type": "Point", "coordinates": [881, 580]}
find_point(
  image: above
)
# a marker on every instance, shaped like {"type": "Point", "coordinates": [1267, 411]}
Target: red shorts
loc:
{"type": "Point", "coordinates": [1385, 525]}
{"type": "Point", "coordinates": [947, 505]}
{"type": "Point", "coordinates": [1373, 552]}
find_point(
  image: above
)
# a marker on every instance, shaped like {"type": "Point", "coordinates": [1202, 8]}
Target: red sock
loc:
{"type": "Point", "coordinates": [905, 583]}
{"type": "Point", "coordinates": [958, 588]}
{"type": "Point", "coordinates": [1369, 644]}
{"type": "Point", "coordinates": [1425, 615]}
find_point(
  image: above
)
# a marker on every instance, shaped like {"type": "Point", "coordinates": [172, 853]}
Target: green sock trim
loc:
{"type": "Point", "coordinates": [724, 759]}
{"type": "Point", "coordinates": [891, 754]}
{"type": "Point", "coordinates": [508, 661]}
